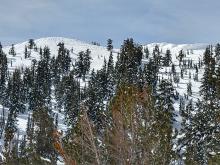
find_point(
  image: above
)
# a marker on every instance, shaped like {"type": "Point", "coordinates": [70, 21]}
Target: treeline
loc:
{"type": "Point", "coordinates": [123, 115]}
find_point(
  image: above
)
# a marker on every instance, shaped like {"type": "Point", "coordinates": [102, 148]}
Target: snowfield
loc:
{"type": "Point", "coordinates": [98, 53]}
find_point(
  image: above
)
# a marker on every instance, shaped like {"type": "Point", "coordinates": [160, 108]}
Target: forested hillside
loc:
{"type": "Point", "coordinates": [63, 101]}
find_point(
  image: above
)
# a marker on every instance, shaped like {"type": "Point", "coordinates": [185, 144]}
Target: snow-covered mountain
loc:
{"type": "Point", "coordinates": [193, 52]}
{"type": "Point", "coordinates": [98, 53]}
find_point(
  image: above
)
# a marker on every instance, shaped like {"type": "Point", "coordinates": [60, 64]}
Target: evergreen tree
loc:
{"type": "Point", "coordinates": [173, 69]}
{"type": "Point", "coordinates": [157, 55]}
{"type": "Point", "coordinates": [12, 50]}
{"type": "Point", "coordinates": [96, 93]}
{"type": "Point", "coordinates": [110, 77]}
{"type": "Point", "coordinates": [129, 61]}
{"type": "Point", "coordinates": [83, 63]}
{"type": "Point", "coordinates": [87, 61]}
{"type": "Point", "coordinates": [217, 52]}
{"type": "Point", "coordinates": [43, 77]}
{"type": "Point", "coordinates": [31, 43]}
{"type": "Point", "coordinates": [27, 80]}
{"type": "Point", "coordinates": [207, 55]}
{"type": "Point", "coordinates": [218, 81]}
{"type": "Point", "coordinates": [208, 87]}
{"type": "Point", "coordinates": [68, 96]}
{"type": "Point", "coordinates": [3, 74]}
{"type": "Point", "coordinates": [43, 134]}
{"type": "Point", "coordinates": [16, 103]}
{"type": "Point", "coordinates": [167, 58]}
{"type": "Point", "coordinates": [150, 74]}
{"type": "Point", "coordinates": [63, 60]}
{"type": "Point", "coordinates": [165, 100]}
{"type": "Point", "coordinates": [146, 52]}
{"type": "Point", "coordinates": [80, 64]}
{"type": "Point", "coordinates": [15, 106]}
{"type": "Point", "coordinates": [26, 52]}
{"type": "Point", "coordinates": [181, 55]}
{"type": "Point", "coordinates": [109, 45]}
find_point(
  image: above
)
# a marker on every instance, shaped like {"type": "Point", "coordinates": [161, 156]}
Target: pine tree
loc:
{"type": "Point", "coordinates": [27, 80]}
{"type": "Point", "coordinates": [63, 60]}
{"type": "Point", "coordinates": [146, 52]}
{"type": "Point", "coordinates": [43, 134]}
{"type": "Point", "coordinates": [16, 103]}
{"type": "Point", "coordinates": [26, 52]}
{"type": "Point", "coordinates": [15, 106]}
{"type": "Point", "coordinates": [208, 87]}
{"type": "Point", "coordinates": [207, 55]}
{"type": "Point", "coordinates": [109, 45]}
{"type": "Point", "coordinates": [12, 50]}
{"type": "Point", "coordinates": [129, 61]}
{"type": "Point", "coordinates": [167, 58]}
{"type": "Point", "coordinates": [218, 81]}
{"type": "Point", "coordinates": [10, 130]}
{"type": "Point", "coordinates": [150, 74]}
{"type": "Point", "coordinates": [173, 69]}
{"type": "Point", "coordinates": [96, 93]}
{"type": "Point", "coordinates": [68, 95]}
{"type": "Point", "coordinates": [3, 74]}
{"type": "Point", "coordinates": [83, 63]}
{"type": "Point", "coordinates": [41, 51]}
{"type": "Point", "coordinates": [31, 43]}
{"type": "Point", "coordinates": [217, 52]}
{"type": "Point", "coordinates": [87, 61]}
{"type": "Point", "coordinates": [43, 77]}
{"type": "Point", "coordinates": [157, 55]}
{"type": "Point", "coordinates": [29, 148]}
{"type": "Point", "coordinates": [165, 99]}
{"type": "Point", "coordinates": [80, 64]}
{"type": "Point", "coordinates": [181, 55]}
{"type": "Point", "coordinates": [110, 77]}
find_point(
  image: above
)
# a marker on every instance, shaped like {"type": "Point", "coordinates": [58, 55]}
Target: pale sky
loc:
{"type": "Point", "coordinates": [176, 21]}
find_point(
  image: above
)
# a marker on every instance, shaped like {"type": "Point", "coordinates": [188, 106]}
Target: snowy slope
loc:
{"type": "Point", "coordinates": [98, 53]}
{"type": "Point", "coordinates": [195, 53]}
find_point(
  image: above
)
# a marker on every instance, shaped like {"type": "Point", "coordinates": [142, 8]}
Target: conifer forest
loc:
{"type": "Point", "coordinates": [140, 104]}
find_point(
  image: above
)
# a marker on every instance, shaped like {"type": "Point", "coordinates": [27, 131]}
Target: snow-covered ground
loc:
{"type": "Point", "coordinates": [98, 53]}
{"type": "Point", "coordinates": [193, 52]}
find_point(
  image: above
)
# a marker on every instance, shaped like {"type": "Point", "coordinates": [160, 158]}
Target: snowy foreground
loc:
{"type": "Point", "coordinates": [98, 53]}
